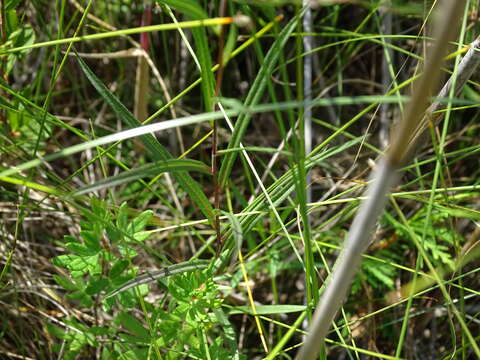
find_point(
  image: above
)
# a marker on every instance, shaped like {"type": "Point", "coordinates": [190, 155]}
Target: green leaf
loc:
{"type": "Point", "coordinates": [158, 152]}
{"type": "Point", "coordinates": [80, 249]}
{"type": "Point", "coordinates": [134, 326]}
{"type": "Point", "coordinates": [11, 4]}
{"type": "Point", "coordinates": [228, 333]}
{"type": "Point", "coordinates": [96, 286]}
{"type": "Point", "coordinates": [189, 7]}
{"type": "Point", "coordinates": [139, 223]}
{"type": "Point", "coordinates": [165, 272]}
{"type": "Point", "coordinates": [141, 235]}
{"type": "Point", "coordinates": [267, 309]}
{"type": "Point", "coordinates": [21, 37]}
{"type": "Point", "coordinates": [92, 241]}
{"type": "Point", "coordinates": [254, 96]}
{"type": "Point", "coordinates": [122, 217]}
{"type": "Point", "coordinates": [149, 170]}
{"type": "Point", "coordinates": [65, 283]}
{"type": "Point", "coordinates": [79, 265]}
{"type": "Point", "coordinates": [118, 267]}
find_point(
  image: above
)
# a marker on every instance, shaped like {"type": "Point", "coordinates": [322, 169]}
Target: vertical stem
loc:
{"type": "Point", "coordinates": [383, 179]}
{"type": "Point", "coordinates": [218, 85]}
{"type": "Point", "coordinates": [3, 31]}
{"type": "Point", "coordinates": [386, 29]}
{"type": "Point", "coordinates": [143, 74]}
{"type": "Point", "coordinates": [304, 84]}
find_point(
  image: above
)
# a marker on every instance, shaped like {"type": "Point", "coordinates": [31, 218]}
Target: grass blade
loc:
{"type": "Point", "coordinates": [157, 151]}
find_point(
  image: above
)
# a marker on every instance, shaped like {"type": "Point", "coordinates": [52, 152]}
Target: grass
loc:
{"type": "Point", "coordinates": [120, 241]}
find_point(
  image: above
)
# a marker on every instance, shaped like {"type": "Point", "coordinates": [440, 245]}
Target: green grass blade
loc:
{"type": "Point", "coordinates": [254, 95]}
{"type": "Point", "coordinates": [153, 169]}
{"type": "Point", "coordinates": [158, 152]}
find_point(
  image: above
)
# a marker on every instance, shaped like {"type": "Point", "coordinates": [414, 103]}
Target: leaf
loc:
{"type": "Point", "coordinates": [79, 265]}
{"type": "Point", "coordinates": [80, 249]}
{"type": "Point", "coordinates": [23, 36]}
{"type": "Point", "coordinates": [134, 326]}
{"type": "Point", "coordinates": [96, 286]}
{"type": "Point", "coordinates": [92, 241]}
{"type": "Point", "coordinates": [165, 272]}
{"type": "Point", "coordinates": [118, 268]}
{"type": "Point", "coordinates": [228, 333]}
{"type": "Point", "coordinates": [158, 152]}
{"type": "Point", "coordinates": [11, 4]}
{"type": "Point", "coordinates": [188, 7]}
{"type": "Point", "coordinates": [379, 273]}
{"type": "Point", "coordinates": [139, 222]}
{"type": "Point", "coordinates": [254, 96]}
{"type": "Point", "coordinates": [149, 170]}
{"type": "Point", "coordinates": [65, 283]}
{"type": "Point", "coordinates": [267, 309]}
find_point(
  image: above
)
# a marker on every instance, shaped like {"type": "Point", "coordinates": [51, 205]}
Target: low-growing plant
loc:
{"type": "Point", "coordinates": [173, 324]}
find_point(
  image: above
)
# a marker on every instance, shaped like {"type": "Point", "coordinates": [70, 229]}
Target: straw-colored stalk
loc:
{"type": "Point", "coordinates": [383, 178]}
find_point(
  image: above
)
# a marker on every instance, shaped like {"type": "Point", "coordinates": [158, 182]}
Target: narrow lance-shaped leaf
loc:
{"type": "Point", "coordinates": [254, 96]}
{"type": "Point", "coordinates": [153, 169]}
{"type": "Point", "coordinates": [159, 274]}
{"type": "Point", "coordinates": [195, 12]}
{"type": "Point", "coordinates": [157, 150]}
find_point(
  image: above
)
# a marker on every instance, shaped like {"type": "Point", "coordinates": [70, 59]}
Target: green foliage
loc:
{"type": "Point", "coordinates": [158, 284]}
{"type": "Point", "coordinates": [437, 239]}
{"type": "Point", "coordinates": [17, 35]}
{"type": "Point", "coordinates": [102, 260]}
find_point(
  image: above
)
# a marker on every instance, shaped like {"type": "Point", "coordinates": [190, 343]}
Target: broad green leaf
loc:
{"type": "Point", "coordinates": [139, 222]}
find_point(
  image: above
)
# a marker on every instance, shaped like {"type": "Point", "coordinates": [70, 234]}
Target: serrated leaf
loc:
{"type": "Point", "coordinates": [139, 222]}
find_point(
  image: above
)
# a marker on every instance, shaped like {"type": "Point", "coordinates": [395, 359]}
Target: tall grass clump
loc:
{"type": "Point", "coordinates": [178, 177]}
